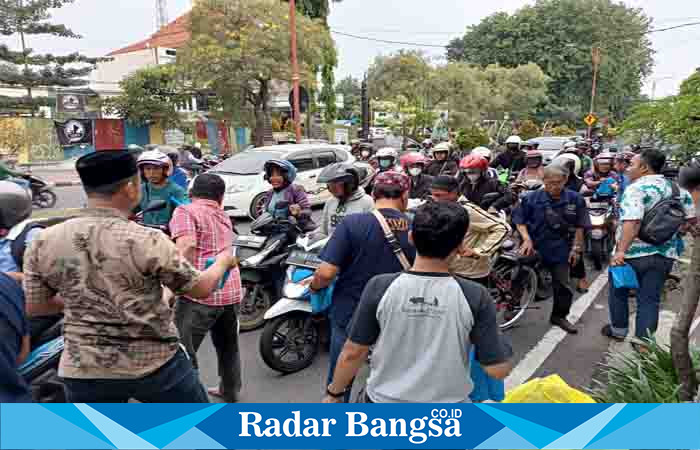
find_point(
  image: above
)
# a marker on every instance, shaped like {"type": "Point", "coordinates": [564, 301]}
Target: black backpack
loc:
{"type": "Point", "coordinates": [664, 220]}
{"type": "Point", "coordinates": [19, 245]}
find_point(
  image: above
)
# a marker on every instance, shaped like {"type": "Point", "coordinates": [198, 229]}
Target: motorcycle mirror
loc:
{"type": "Point", "coordinates": [156, 205]}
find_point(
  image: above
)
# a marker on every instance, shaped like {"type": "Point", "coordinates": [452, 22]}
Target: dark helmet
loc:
{"type": "Point", "coordinates": [689, 176]}
{"type": "Point", "coordinates": [343, 172]}
{"type": "Point", "coordinates": [15, 204]}
{"type": "Point", "coordinates": [174, 157]}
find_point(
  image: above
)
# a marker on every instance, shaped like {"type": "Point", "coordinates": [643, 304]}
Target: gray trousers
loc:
{"type": "Point", "coordinates": [194, 320]}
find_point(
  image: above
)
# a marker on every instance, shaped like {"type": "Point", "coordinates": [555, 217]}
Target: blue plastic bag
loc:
{"type": "Point", "coordinates": [485, 387]}
{"type": "Point", "coordinates": [321, 300]}
{"type": "Point", "coordinates": [222, 283]}
{"type": "Point", "coordinates": [623, 277]}
{"type": "Point", "coordinates": [605, 188]}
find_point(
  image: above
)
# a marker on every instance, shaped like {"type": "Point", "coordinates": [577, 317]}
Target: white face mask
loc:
{"type": "Point", "coordinates": [415, 171]}
{"type": "Point", "coordinates": [365, 154]}
{"type": "Point", "coordinates": [473, 177]}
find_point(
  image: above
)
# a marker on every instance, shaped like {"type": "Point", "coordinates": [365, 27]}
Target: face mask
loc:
{"type": "Point", "coordinates": [415, 171]}
{"type": "Point", "coordinates": [365, 154]}
{"type": "Point", "coordinates": [473, 177]}
{"type": "Point", "coordinates": [384, 163]}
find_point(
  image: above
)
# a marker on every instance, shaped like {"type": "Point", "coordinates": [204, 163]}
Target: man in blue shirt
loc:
{"type": "Point", "coordinates": [549, 220]}
{"type": "Point", "coordinates": [359, 250]}
{"type": "Point", "coordinates": [178, 176]}
{"type": "Point", "coordinates": [15, 208]}
{"type": "Point", "coordinates": [14, 341]}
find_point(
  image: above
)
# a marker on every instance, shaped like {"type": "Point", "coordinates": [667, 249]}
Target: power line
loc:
{"type": "Point", "coordinates": [365, 38]}
{"type": "Point", "coordinates": [684, 25]}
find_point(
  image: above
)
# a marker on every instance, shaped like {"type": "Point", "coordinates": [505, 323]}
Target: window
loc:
{"type": "Point", "coordinates": [302, 161]}
{"type": "Point", "coordinates": [326, 158]}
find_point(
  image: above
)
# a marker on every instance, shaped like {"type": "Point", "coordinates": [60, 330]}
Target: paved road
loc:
{"type": "Point", "coordinates": [539, 348]}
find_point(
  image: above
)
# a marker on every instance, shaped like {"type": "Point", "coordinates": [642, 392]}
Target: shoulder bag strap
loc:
{"type": "Point", "coordinates": [391, 239]}
{"type": "Point", "coordinates": [675, 191]}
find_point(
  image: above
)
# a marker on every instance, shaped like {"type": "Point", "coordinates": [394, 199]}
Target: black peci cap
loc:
{"type": "Point", "coordinates": [445, 183]}
{"type": "Point", "coordinates": [106, 167]}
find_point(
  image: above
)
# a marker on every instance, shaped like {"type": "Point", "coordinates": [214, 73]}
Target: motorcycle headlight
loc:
{"type": "Point", "coordinates": [596, 234]}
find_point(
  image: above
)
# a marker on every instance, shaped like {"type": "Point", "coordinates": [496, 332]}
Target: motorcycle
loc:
{"type": "Point", "coordinates": [599, 240]}
{"type": "Point", "coordinates": [291, 338]}
{"type": "Point", "coordinates": [262, 255]}
{"type": "Point", "coordinates": [42, 194]}
{"type": "Point", "coordinates": [40, 369]}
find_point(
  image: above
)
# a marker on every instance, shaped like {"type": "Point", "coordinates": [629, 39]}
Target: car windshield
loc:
{"type": "Point", "coordinates": [551, 144]}
{"type": "Point", "coordinates": [247, 163]}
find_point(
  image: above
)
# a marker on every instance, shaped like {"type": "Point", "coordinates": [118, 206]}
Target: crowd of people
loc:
{"type": "Point", "coordinates": [137, 302]}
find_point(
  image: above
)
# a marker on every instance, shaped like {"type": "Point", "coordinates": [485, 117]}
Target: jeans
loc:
{"type": "Point", "coordinates": [194, 320]}
{"type": "Point", "coordinates": [652, 272]}
{"type": "Point", "coordinates": [561, 290]}
{"type": "Point", "coordinates": [174, 382]}
{"type": "Point", "coordinates": [338, 338]}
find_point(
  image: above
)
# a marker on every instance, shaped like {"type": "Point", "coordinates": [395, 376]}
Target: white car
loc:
{"type": "Point", "coordinates": [243, 174]}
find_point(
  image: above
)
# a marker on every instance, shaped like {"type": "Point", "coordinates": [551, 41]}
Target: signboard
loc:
{"type": "Point", "coordinates": [174, 137]}
{"type": "Point", "coordinates": [341, 135]}
{"type": "Point", "coordinates": [70, 103]}
{"type": "Point", "coordinates": [590, 119]}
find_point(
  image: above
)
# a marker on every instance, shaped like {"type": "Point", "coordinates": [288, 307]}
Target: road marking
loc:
{"type": "Point", "coordinates": [546, 346]}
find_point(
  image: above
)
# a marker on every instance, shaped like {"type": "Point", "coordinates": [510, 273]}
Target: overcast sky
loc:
{"type": "Point", "coordinates": [108, 25]}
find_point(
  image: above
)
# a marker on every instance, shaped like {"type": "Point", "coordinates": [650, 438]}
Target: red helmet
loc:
{"type": "Point", "coordinates": [412, 158]}
{"type": "Point", "coordinates": [534, 154]}
{"type": "Point", "coordinates": [474, 162]}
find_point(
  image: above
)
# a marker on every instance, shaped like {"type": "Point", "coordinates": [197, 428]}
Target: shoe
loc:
{"type": "Point", "coordinates": [216, 392]}
{"type": "Point", "coordinates": [608, 332]}
{"type": "Point", "coordinates": [564, 325]}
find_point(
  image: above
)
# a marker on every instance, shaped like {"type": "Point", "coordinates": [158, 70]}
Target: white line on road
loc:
{"type": "Point", "coordinates": [546, 346]}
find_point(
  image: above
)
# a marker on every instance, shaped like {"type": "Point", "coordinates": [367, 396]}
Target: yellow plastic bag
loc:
{"type": "Point", "coordinates": [551, 389]}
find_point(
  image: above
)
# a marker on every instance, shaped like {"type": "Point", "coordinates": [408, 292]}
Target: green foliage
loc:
{"type": "Point", "coordinates": [640, 377]}
{"type": "Point", "coordinates": [150, 94]}
{"type": "Point", "coordinates": [471, 137]}
{"type": "Point", "coordinates": [238, 47]}
{"type": "Point", "coordinates": [528, 130]}
{"type": "Point", "coordinates": [327, 95]}
{"type": "Point", "coordinates": [351, 89]}
{"type": "Point", "coordinates": [563, 130]}
{"type": "Point", "coordinates": [25, 69]}
{"type": "Point", "coordinates": [672, 121]}
{"type": "Point", "coordinates": [558, 35]}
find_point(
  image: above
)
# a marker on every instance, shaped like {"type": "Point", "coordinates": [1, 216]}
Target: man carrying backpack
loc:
{"type": "Point", "coordinates": [652, 212]}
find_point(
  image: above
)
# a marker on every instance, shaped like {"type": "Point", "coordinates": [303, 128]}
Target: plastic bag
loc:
{"type": "Point", "coordinates": [321, 300]}
{"type": "Point", "coordinates": [551, 389]}
{"type": "Point", "coordinates": [485, 387]}
{"type": "Point", "coordinates": [623, 277]}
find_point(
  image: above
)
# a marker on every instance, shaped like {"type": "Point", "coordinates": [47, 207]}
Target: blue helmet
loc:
{"type": "Point", "coordinates": [289, 172]}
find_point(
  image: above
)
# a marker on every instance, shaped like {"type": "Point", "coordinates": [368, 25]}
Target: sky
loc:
{"type": "Point", "coordinates": [109, 25]}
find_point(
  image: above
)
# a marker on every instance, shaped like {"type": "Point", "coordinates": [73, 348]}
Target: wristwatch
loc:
{"type": "Point", "coordinates": [335, 395]}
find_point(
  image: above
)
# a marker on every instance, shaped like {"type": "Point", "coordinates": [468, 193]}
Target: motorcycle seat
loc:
{"type": "Point", "coordinates": [529, 260]}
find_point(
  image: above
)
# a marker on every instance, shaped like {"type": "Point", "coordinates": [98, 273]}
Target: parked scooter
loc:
{"type": "Point", "coordinates": [599, 240]}
{"type": "Point", "coordinates": [42, 194]}
{"type": "Point", "coordinates": [40, 369]}
{"type": "Point", "coordinates": [291, 338]}
{"type": "Point", "coordinates": [262, 255]}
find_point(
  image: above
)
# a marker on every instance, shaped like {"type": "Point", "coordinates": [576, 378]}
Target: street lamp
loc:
{"type": "Point", "coordinates": [595, 57]}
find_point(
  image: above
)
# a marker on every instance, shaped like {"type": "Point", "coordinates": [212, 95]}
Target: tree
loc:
{"type": "Point", "coordinates": [563, 130]}
{"type": "Point", "coordinates": [528, 130]}
{"type": "Point", "coordinates": [28, 70]}
{"type": "Point", "coordinates": [238, 47]}
{"type": "Point", "coordinates": [472, 137]}
{"type": "Point", "coordinates": [515, 91]}
{"type": "Point", "coordinates": [150, 94]}
{"type": "Point", "coordinates": [558, 36]}
{"type": "Point", "coordinates": [351, 90]}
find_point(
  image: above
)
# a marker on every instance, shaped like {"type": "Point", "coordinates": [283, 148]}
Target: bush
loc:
{"type": "Point", "coordinates": [640, 377]}
{"type": "Point", "coordinates": [563, 130]}
{"type": "Point", "coordinates": [528, 130]}
{"type": "Point", "coordinates": [469, 138]}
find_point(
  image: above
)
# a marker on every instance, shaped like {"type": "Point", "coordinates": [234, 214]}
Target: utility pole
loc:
{"type": "Point", "coordinates": [595, 56]}
{"type": "Point", "coordinates": [365, 109]}
{"type": "Point", "coordinates": [295, 68]}
{"type": "Point", "coordinates": [161, 14]}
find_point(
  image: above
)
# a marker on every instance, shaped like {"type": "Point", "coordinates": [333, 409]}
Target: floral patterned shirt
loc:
{"type": "Point", "coordinates": [110, 273]}
{"type": "Point", "coordinates": [639, 198]}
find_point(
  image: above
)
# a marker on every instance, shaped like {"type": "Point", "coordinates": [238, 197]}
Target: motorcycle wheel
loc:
{"type": "Point", "coordinates": [256, 301]}
{"type": "Point", "coordinates": [513, 300]}
{"type": "Point", "coordinates": [290, 343]}
{"type": "Point", "coordinates": [48, 388]}
{"type": "Point", "coordinates": [45, 199]}
{"type": "Point", "coordinates": [598, 253]}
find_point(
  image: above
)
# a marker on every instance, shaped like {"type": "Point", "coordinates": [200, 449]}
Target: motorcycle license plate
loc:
{"type": "Point", "coordinates": [304, 259]}
{"type": "Point", "coordinates": [256, 242]}
{"type": "Point", "coordinates": [598, 206]}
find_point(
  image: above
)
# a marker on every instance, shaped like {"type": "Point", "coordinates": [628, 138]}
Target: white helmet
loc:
{"type": "Point", "coordinates": [482, 151]}
{"type": "Point", "coordinates": [156, 158]}
{"type": "Point", "coordinates": [514, 140]}
{"type": "Point", "coordinates": [569, 144]}
{"type": "Point", "coordinates": [565, 160]}
{"type": "Point", "coordinates": [441, 147]}
{"type": "Point", "coordinates": [387, 152]}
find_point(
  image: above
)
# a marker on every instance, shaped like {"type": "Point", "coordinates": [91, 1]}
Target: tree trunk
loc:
{"type": "Point", "coordinates": [26, 67]}
{"type": "Point", "coordinates": [681, 329]}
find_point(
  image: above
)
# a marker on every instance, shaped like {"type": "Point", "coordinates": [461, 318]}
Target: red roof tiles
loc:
{"type": "Point", "coordinates": [174, 35]}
